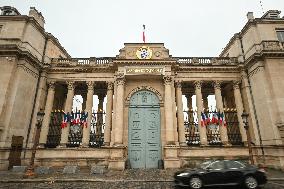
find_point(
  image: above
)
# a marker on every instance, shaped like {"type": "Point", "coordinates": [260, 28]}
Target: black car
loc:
{"type": "Point", "coordinates": [221, 173]}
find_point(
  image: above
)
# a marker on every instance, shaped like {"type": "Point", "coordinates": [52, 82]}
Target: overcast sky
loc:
{"type": "Point", "coordinates": [187, 27]}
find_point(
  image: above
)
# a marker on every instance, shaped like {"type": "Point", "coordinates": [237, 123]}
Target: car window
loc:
{"type": "Point", "coordinates": [217, 165]}
{"type": "Point", "coordinates": [234, 165]}
{"type": "Point", "coordinates": [204, 164]}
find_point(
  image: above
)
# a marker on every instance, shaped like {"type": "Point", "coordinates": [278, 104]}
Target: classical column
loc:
{"type": "Point", "coordinates": [47, 111]}
{"type": "Point", "coordinates": [220, 107]}
{"type": "Point", "coordinates": [108, 113]}
{"type": "Point", "coordinates": [180, 118]}
{"type": "Point", "coordinates": [100, 114]}
{"type": "Point", "coordinates": [118, 135]}
{"type": "Point", "coordinates": [170, 140]}
{"type": "Point", "coordinates": [240, 109]}
{"type": "Point", "coordinates": [189, 101]}
{"type": "Point", "coordinates": [89, 106]}
{"type": "Point", "coordinates": [68, 108]}
{"type": "Point", "coordinates": [199, 104]}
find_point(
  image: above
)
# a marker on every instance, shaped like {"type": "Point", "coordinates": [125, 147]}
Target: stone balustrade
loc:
{"type": "Point", "coordinates": [81, 61]}
{"type": "Point", "coordinates": [206, 60]}
{"type": "Point", "coordinates": [272, 46]}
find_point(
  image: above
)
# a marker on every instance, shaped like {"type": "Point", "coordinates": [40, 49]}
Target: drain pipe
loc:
{"type": "Point", "coordinates": [35, 97]}
{"type": "Point", "coordinates": [253, 104]}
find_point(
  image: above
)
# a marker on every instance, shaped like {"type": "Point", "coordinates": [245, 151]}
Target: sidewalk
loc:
{"type": "Point", "coordinates": [137, 175]}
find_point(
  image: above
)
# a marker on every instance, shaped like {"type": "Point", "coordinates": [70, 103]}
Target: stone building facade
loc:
{"type": "Point", "coordinates": [146, 122]}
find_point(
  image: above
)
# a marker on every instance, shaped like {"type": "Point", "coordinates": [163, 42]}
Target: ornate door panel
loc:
{"type": "Point", "coordinates": [144, 149]}
{"type": "Point", "coordinates": [152, 126]}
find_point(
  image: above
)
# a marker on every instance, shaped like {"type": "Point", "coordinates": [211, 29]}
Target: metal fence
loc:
{"type": "Point", "coordinates": [212, 129]}
{"type": "Point", "coordinates": [233, 129]}
{"type": "Point", "coordinates": [191, 128]}
{"type": "Point", "coordinates": [76, 130]}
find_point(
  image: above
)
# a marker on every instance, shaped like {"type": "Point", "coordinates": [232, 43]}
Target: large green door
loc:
{"type": "Point", "coordinates": [144, 147]}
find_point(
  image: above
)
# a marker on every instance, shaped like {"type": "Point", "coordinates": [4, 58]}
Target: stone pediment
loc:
{"type": "Point", "coordinates": [152, 51]}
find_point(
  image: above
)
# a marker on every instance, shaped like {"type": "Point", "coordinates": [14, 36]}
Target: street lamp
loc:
{"type": "Point", "coordinates": [39, 117]}
{"type": "Point", "coordinates": [246, 126]}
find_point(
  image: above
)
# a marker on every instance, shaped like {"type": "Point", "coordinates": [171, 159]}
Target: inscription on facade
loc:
{"type": "Point", "coordinates": [135, 70]}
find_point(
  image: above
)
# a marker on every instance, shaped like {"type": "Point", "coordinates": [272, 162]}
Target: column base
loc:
{"type": "Point", "coordinates": [84, 146]}
{"type": "Point", "coordinates": [173, 163]}
{"type": "Point", "coordinates": [61, 146]}
{"type": "Point", "coordinates": [182, 144]}
{"type": "Point", "coordinates": [117, 164]}
{"type": "Point", "coordinates": [107, 144]}
{"type": "Point", "coordinates": [227, 144]}
{"type": "Point", "coordinates": [118, 145]}
{"type": "Point", "coordinates": [41, 146]}
{"type": "Point", "coordinates": [171, 143]}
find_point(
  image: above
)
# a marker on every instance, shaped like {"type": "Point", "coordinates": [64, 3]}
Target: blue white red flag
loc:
{"type": "Point", "coordinates": [143, 35]}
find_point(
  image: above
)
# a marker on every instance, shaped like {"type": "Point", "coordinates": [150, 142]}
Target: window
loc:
{"type": "Point", "coordinates": [280, 35]}
{"type": "Point", "coordinates": [234, 165]}
{"type": "Point", "coordinates": [217, 165]}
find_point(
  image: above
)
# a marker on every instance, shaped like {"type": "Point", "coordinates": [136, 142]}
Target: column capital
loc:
{"type": "Point", "coordinates": [51, 85]}
{"type": "Point", "coordinates": [90, 85]}
{"type": "Point", "coordinates": [120, 81]}
{"type": "Point", "coordinates": [244, 74]}
{"type": "Point", "coordinates": [217, 84]}
{"type": "Point", "coordinates": [167, 80]}
{"type": "Point", "coordinates": [70, 85]}
{"type": "Point", "coordinates": [198, 84]}
{"type": "Point", "coordinates": [178, 84]}
{"type": "Point", "coordinates": [236, 84]}
{"type": "Point", "coordinates": [109, 85]}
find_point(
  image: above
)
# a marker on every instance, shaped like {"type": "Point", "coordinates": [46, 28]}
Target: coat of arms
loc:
{"type": "Point", "coordinates": [144, 53]}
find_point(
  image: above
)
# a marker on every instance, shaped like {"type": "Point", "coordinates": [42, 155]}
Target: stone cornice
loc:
{"type": "Point", "coordinates": [14, 50]}
{"type": "Point", "coordinates": [263, 50]}
{"type": "Point", "coordinates": [209, 69]}
{"type": "Point", "coordinates": [249, 24]}
{"type": "Point", "coordinates": [31, 20]}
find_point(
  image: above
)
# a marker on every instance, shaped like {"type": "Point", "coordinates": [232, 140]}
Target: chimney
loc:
{"type": "Point", "coordinates": [37, 16]}
{"type": "Point", "coordinates": [250, 16]}
{"type": "Point", "coordinates": [272, 14]}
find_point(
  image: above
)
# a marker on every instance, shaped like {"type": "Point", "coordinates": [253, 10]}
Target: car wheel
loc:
{"type": "Point", "coordinates": [195, 183]}
{"type": "Point", "coordinates": [250, 182]}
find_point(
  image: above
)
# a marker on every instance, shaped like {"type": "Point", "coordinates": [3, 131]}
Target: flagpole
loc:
{"type": "Point", "coordinates": [143, 35]}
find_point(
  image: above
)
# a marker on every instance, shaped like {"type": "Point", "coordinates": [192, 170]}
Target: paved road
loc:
{"type": "Point", "coordinates": [109, 185]}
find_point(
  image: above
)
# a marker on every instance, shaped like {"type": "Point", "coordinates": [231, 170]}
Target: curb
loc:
{"type": "Point", "coordinates": [92, 180]}
{"type": "Point", "coordinates": [75, 180]}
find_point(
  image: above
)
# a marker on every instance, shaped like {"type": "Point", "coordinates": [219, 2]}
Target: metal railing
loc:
{"type": "Point", "coordinates": [54, 132]}
{"type": "Point", "coordinates": [233, 129]}
{"type": "Point", "coordinates": [76, 130]}
{"type": "Point", "coordinates": [191, 128]}
{"type": "Point", "coordinates": [192, 134]}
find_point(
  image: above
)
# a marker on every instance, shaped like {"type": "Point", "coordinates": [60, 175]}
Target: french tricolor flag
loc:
{"type": "Point", "coordinates": [143, 35]}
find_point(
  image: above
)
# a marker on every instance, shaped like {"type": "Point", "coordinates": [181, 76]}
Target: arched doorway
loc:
{"type": "Point", "coordinates": [144, 139]}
